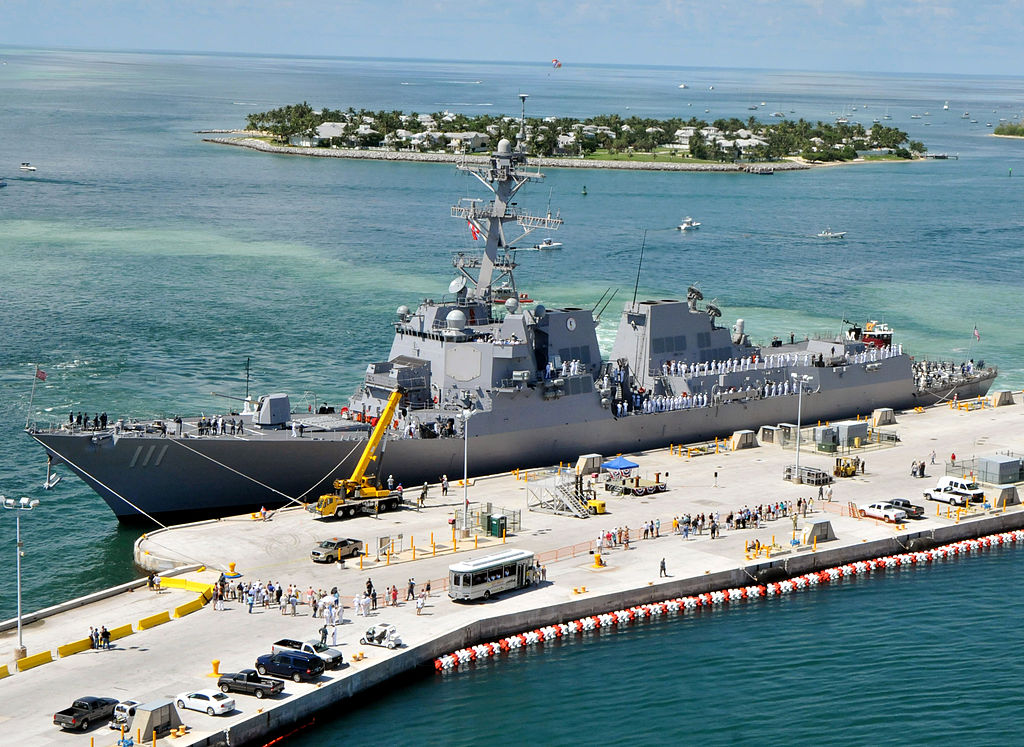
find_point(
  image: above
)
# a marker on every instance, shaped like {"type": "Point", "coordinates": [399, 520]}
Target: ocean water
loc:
{"type": "Point", "coordinates": [141, 267]}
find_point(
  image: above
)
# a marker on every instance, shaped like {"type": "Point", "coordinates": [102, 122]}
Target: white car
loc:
{"type": "Point", "coordinates": [883, 511]}
{"type": "Point", "coordinates": [213, 702]}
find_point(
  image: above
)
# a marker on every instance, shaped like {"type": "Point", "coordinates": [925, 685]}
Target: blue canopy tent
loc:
{"type": "Point", "coordinates": [619, 466]}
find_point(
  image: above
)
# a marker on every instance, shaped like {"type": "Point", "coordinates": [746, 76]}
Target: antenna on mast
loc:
{"type": "Point", "coordinates": [247, 359]}
{"type": "Point", "coordinates": [522, 122]}
{"type": "Point", "coordinates": [639, 265]}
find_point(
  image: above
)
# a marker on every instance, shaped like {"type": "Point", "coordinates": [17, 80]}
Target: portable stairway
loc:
{"type": "Point", "coordinates": [558, 496]}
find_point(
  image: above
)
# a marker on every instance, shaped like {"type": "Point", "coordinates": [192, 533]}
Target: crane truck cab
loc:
{"type": "Point", "coordinates": [360, 491]}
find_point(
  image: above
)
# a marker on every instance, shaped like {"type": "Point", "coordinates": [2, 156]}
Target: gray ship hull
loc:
{"type": "Point", "coordinates": [172, 480]}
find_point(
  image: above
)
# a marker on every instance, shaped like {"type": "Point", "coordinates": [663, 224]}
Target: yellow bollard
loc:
{"type": "Point", "coordinates": [360, 561]}
{"type": "Point", "coordinates": [937, 508]}
{"type": "Point", "coordinates": [414, 552]}
{"type": "Point", "coordinates": [431, 538]}
{"type": "Point", "coordinates": [453, 535]}
{"type": "Point", "coordinates": [216, 667]}
{"type": "Point", "coordinates": [138, 736]}
{"type": "Point", "coordinates": [154, 737]}
{"type": "Point", "coordinates": [814, 547]}
{"type": "Point", "coordinates": [433, 548]}
{"type": "Point", "coordinates": [455, 545]}
{"type": "Point", "coordinates": [231, 568]}
{"type": "Point", "coordinates": [387, 560]}
{"type": "Point", "coordinates": [503, 531]}
{"type": "Point", "coordinates": [476, 541]}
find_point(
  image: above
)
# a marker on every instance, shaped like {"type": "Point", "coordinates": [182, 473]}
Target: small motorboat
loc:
{"type": "Point", "coordinates": [688, 224]}
{"type": "Point", "coordinates": [828, 233]}
{"type": "Point", "coordinates": [26, 166]}
{"type": "Point", "coordinates": [549, 244]}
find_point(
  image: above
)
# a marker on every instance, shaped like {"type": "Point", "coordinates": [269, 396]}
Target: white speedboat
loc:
{"type": "Point", "coordinates": [26, 166]}
{"type": "Point", "coordinates": [688, 224]}
{"type": "Point", "coordinates": [549, 244]}
{"type": "Point", "coordinates": [828, 233]}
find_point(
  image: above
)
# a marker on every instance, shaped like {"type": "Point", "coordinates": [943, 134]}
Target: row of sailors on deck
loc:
{"type": "Point", "coordinates": [681, 368]}
{"type": "Point", "coordinates": [568, 368]}
{"type": "Point", "coordinates": [647, 403]}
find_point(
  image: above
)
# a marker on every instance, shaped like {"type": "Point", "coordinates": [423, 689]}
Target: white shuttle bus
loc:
{"type": "Point", "coordinates": [483, 577]}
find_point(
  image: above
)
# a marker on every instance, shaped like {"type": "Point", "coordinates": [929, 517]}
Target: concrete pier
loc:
{"type": "Point", "coordinates": [175, 653]}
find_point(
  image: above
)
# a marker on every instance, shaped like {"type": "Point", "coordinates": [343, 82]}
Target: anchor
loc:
{"type": "Point", "coordinates": [52, 478]}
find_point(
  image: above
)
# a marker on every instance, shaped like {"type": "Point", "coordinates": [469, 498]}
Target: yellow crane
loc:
{"type": "Point", "coordinates": [360, 490]}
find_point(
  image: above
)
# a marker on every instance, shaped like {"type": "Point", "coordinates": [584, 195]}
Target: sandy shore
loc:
{"type": "Point", "coordinates": [560, 163]}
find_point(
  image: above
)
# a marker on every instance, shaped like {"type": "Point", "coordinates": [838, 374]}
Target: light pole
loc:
{"type": "Point", "coordinates": [18, 506]}
{"type": "Point", "coordinates": [800, 381]}
{"type": "Point", "coordinates": [465, 469]}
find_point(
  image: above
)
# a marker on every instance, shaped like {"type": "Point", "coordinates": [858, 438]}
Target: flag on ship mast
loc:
{"type": "Point", "coordinates": [40, 374]}
{"type": "Point", "coordinates": [473, 230]}
{"type": "Point", "coordinates": [977, 335]}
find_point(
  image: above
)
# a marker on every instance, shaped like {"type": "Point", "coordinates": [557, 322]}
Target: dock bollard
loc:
{"type": "Point", "coordinates": [476, 541]}
{"type": "Point", "coordinates": [503, 531]}
{"type": "Point", "coordinates": [216, 668]}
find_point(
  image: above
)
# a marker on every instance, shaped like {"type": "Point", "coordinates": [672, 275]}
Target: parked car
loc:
{"type": "Point", "coordinates": [296, 665]}
{"type": "Point", "coordinates": [884, 511]}
{"type": "Point", "coordinates": [332, 657]}
{"type": "Point", "coordinates": [123, 713]}
{"type": "Point", "coordinates": [913, 512]}
{"type": "Point", "coordinates": [248, 682]}
{"type": "Point", "coordinates": [212, 702]}
{"type": "Point", "coordinates": [956, 491]}
{"type": "Point", "coordinates": [334, 549]}
{"type": "Point", "coordinates": [85, 711]}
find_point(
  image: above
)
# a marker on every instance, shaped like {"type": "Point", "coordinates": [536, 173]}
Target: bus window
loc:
{"type": "Point", "coordinates": [480, 577]}
{"type": "Point", "coordinates": [456, 579]}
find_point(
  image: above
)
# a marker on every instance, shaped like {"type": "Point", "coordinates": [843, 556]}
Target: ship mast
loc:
{"type": "Point", "coordinates": [503, 178]}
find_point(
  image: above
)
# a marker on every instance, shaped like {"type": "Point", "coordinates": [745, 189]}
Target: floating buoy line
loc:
{"type": "Point", "coordinates": [682, 605]}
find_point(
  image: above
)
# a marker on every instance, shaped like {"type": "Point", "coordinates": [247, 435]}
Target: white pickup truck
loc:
{"type": "Point", "coordinates": [956, 491]}
{"type": "Point", "coordinates": [884, 511]}
{"type": "Point", "coordinates": [332, 657]}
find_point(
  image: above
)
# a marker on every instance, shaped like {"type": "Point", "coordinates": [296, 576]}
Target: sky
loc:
{"type": "Point", "coordinates": [921, 36]}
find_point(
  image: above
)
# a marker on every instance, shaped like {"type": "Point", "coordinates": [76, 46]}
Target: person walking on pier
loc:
{"type": "Point", "coordinates": [411, 592]}
{"type": "Point", "coordinates": [423, 495]}
{"type": "Point", "coordinates": [662, 573]}
{"type": "Point", "coordinates": [444, 485]}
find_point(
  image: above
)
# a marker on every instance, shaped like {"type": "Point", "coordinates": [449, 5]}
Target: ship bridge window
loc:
{"type": "Point", "coordinates": [703, 339]}
{"type": "Point", "coordinates": [575, 353]}
{"type": "Point", "coordinates": [675, 344]}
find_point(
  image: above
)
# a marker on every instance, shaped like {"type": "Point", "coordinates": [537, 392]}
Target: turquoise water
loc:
{"type": "Point", "coordinates": [141, 267]}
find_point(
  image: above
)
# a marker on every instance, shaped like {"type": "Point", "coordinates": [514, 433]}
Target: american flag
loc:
{"type": "Point", "coordinates": [977, 335]}
{"type": "Point", "coordinates": [40, 374]}
{"type": "Point", "coordinates": [473, 230]}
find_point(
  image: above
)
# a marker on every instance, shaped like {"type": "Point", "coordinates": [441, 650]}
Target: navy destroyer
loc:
{"type": "Point", "coordinates": [483, 371]}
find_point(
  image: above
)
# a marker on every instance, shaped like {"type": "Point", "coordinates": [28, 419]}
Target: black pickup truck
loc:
{"type": "Point", "coordinates": [85, 711]}
{"type": "Point", "coordinates": [248, 682]}
{"type": "Point", "coordinates": [912, 511]}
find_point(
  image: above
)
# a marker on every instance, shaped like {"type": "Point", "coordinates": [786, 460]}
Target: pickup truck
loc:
{"type": "Point", "coordinates": [913, 512]}
{"type": "Point", "coordinates": [248, 682]}
{"type": "Point", "coordinates": [85, 711]}
{"type": "Point", "coordinates": [956, 491]}
{"type": "Point", "coordinates": [335, 549]}
{"type": "Point", "coordinates": [332, 657]}
{"type": "Point", "coordinates": [884, 511]}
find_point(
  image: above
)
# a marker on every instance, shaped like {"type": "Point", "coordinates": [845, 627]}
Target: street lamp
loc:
{"type": "Point", "coordinates": [465, 469]}
{"type": "Point", "coordinates": [24, 504]}
{"type": "Point", "coordinates": [800, 381]}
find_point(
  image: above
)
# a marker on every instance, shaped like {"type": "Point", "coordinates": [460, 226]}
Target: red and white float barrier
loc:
{"type": "Point", "coordinates": [464, 656]}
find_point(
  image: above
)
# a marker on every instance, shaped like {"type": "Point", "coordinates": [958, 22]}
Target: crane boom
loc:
{"type": "Point", "coordinates": [370, 452]}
